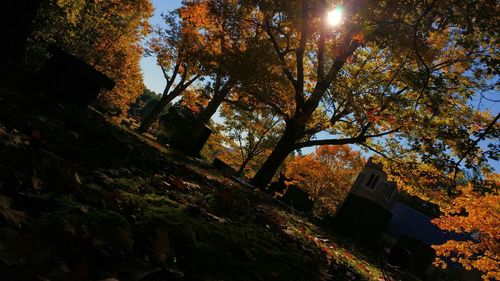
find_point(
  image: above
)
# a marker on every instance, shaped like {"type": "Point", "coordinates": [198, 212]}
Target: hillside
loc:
{"type": "Point", "coordinates": [84, 199]}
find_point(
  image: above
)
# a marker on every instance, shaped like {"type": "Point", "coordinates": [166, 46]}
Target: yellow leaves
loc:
{"type": "Point", "coordinates": [195, 14]}
{"type": "Point", "coordinates": [194, 100]}
{"type": "Point", "coordinates": [105, 34]}
{"type": "Point", "coordinates": [72, 8]}
{"type": "Point", "coordinates": [476, 214]}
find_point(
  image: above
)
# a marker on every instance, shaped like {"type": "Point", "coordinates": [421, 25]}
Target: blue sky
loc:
{"type": "Point", "coordinates": [153, 77]}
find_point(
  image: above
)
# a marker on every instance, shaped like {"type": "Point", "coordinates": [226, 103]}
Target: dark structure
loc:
{"type": "Point", "coordinates": [374, 214]}
{"type": "Point", "coordinates": [278, 187]}
{"type": "Point", "coordinates": [367, 209]}
{"type": "Point", "coordinates": [16, 21]}
{"type": "Point", "coordinates": [298, 199]}
{"type": "Point", "coordinates": [413, 231]}
{"type": "Point", "coordinates": [224, 168]}
{"type": "Point", "coordinates": [362, 218]}
{"type": "Point", "coordinates": [417, 256]}
{"type": "Point", "coordinates": [180, 129]}
{"type": "Point", "coordinates": [197, 138]}
{"type": "Point", "coordinates": [71, 81]}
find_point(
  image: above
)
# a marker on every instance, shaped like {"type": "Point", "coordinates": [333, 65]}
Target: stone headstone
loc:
{"type": "Point", "coordinates": [70, 81]}
{"type": "Point", "coordinates": [180, 129]}
{"type": "Point", "coordinates": [298, 199]}
{"type": "Point", "coordinates": [223, 167]}
{"type": "Point", "coordinates": [399, 256]}
{"type": "Point", "coordinates": [278, 187]}
{"type": "Point", "coordinates": [199, 136]}
{"type": "Point", "coordinates": [420, 255]}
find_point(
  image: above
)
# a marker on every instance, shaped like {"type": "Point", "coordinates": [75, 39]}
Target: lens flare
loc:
{"type": "Point", "coordinates": [334, 17]}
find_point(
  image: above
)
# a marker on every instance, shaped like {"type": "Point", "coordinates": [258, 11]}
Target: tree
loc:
{"type": "Point", "coordinates": [175, 46]}
{"type": "Point", "coordinates": [106, 35]}
{"type": "Point", "coordinates": [250, 133]}
{"type": "Point", "coordinates": [219, 39]}
{"type": "Point", "coordinates": [392, 74]}
{"type": "Point", "coordinates": [327, 174]}
{"type": "Point", "coordinates": [473, 213]}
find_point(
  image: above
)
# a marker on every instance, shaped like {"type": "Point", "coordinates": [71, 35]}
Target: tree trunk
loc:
{"type": "Point", "coordinates": [243, 166]}
{"type": "Point", "coordinates": [212, 107]}
{"type": "Point", "coordinates": [214, 104]}
{"type": "Point", "coordinates": [165, 99]}
{"type": "Point", "coordinates": [279, 154]}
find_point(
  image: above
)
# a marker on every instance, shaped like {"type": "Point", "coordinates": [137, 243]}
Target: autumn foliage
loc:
{"type": "Point", "coordinates": [105, 34]}
{"type": "Point", "coordinates": [327, 174]}
{"type": "Point", "coordinates": [476, 214]}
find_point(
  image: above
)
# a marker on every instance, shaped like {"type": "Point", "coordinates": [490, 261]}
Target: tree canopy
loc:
{"type": "Point", "coordinates": [395, 78]}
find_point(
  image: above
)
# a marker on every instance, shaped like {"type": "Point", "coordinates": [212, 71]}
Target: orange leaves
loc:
{"type": "Point", "coordinates": [327, 174]}
{"type": "Point", "coordinates": [478, 215]}
{"type": "Point", "coordinates": [196, 15]}
{"type": "Point", "coordinates": [359, 38]}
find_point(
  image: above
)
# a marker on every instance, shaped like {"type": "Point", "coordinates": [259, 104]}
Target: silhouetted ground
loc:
{"type": "Point", "coordinates": [83, 199]}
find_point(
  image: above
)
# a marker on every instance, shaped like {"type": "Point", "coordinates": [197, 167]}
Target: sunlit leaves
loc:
{"type": "Point", "coordinates": [327, 174]}
{"type": "Point", "coordinates": [476, 214]}
{"type": "Point", "coordinates": [105, 34]}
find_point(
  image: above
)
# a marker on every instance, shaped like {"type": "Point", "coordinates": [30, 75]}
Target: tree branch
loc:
{"type": "Point", "coordinates": [304, 28]}
{"type": "Point", "coordinates": [312, 103]}
{"type": "Point", "coordinates": [358, 139]}
{"type": "Point", "coordinates": [475, 142]}
{"type": "Point", "coordinates": [171, 80]}
{"type": "Point", "coordinates": [280, 54]}
{"type": "Point", "coordinates": [321, 46]}
{"type": "Point", "coordinates": [384, 133]}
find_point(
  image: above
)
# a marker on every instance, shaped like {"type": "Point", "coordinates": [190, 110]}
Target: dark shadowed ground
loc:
{"type": "Point", "coordinates": [84, 199]}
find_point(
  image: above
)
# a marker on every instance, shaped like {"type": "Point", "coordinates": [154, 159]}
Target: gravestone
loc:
{"type": "Point", "coordinates": [223, 167]}
{"type": "Point", "coordinates": [278, 187]}
{"type": "Point", "coordinates": [197, 138]}
{"type": "Point", "coordinates": [298, 199]}
{"type": "Point", "coordinates": [420, 258]}
{"type": "Point", "coordinates": [180, 129]}
{"type": "Point", "coordinates": [70, 81]}
{"type": "Point", "coordinates": [362, 218]}
{"type": "Point", "coordinates": [16, 21]}
{"type": "Point", "coordinates": [399, 256]}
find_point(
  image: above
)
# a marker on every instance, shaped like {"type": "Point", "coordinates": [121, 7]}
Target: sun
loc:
{"type": "Point", "coordinates": [334, 17]}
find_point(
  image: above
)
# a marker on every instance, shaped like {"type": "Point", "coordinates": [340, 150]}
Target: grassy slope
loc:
{"type": "Point", "coordinates": [81, 198]}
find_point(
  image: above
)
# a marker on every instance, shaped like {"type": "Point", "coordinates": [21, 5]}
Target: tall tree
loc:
{"type": "Point", "coordinates": [233, 52]}
{"type": "Point", "coordinates": [390, 72]}
{"type": "Point", "coordinates": [175, 46]}
{"type": "Point", "coordinates": [105, 34]}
